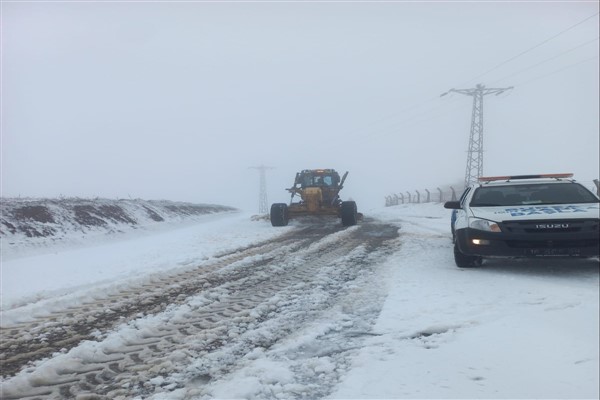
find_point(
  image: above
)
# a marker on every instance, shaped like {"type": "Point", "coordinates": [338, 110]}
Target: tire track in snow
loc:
{"type": "Point", "coordinates": [219, 312]}
{"type": "Point", "coordinates": [64, 329]}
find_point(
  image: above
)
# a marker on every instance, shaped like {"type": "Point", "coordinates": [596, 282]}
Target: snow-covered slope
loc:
{"type": "Point", "coordinates": [30, 225]}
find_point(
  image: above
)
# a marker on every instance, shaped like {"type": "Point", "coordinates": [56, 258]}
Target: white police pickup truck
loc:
{"type": "Point", "coordinates": [525, 216]}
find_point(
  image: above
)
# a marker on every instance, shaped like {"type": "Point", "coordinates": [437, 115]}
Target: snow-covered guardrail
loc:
{"type": "Point", "coordinates": [449, 193]}
{"type": "Point", "coordinates": [436, 195]}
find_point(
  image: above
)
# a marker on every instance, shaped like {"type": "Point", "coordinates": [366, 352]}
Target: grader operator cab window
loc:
{"type": "Point", "coordinates": [319, 180]}
{"type": "Point", "coordinates": [307, 181]}
{"type": "Point", "coordinates": [328, 180]}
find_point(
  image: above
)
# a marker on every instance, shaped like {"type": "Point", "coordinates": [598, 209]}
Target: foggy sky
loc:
{"type": "Point", "coordinates": [177, 100]}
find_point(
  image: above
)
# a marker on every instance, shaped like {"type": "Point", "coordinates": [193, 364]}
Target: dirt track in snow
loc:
{"type": "Point", "coordinates": [208, 318]}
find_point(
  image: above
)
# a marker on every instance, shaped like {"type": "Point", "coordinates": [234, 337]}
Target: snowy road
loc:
{"type": "Point", "coordinates": [233, 308]}
{"type": "Point", "coordinates": [208, 319]}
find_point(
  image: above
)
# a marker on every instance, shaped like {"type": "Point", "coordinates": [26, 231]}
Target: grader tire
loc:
{"type": "Point", "coordinates": [279, 214]}
{"type": "Point", "coordinates": [349, 213]}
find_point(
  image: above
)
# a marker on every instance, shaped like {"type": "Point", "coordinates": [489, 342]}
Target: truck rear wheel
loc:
{"type": "Point", "coordinates": [279, 214]}
{"type": "Point", "coordinates": [349, 213]}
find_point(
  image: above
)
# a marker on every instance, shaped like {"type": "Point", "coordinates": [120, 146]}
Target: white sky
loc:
{"type": "Point", "coordinates": [177, 100]}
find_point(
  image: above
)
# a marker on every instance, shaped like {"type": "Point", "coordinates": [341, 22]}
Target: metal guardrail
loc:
{"type": "Point", "coordinates": [438, 195]}
{"type": "Point", "coordinates": [451, 193]}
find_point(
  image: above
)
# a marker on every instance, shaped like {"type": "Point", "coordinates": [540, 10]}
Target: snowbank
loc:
{"type": "Point", "coordinates": [29, 226]}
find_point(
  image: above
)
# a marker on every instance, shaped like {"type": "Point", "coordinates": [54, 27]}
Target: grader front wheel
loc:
{"type": "Point", "coordinates": [349, 213]}
{"type": "Point", "coordinates": [279, 214]}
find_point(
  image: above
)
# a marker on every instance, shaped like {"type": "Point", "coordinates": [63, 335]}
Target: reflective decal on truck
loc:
{"type": "Point", "coordinates": [545, 210]}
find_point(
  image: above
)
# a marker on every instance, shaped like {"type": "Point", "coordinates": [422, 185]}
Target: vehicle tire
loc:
{"type": "Point", "coordinates": [463, 260]}
{"type": "Point", "coordinates": [349, 213]}
{"type": "Point", "coordinates": [279, 214]}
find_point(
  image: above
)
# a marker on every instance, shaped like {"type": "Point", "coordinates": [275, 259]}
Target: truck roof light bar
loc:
{"type": "Point", "coordinates": [516, 177]}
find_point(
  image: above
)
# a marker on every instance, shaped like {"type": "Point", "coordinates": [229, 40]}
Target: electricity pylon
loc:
{"type": "Point", "coordinates": [475, 152]}
{"type": "Point", "coordinates": [263, 204]}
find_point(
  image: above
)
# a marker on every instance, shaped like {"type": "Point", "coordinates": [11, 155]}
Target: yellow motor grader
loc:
{"type": "Point", "coordinates": [318, 190]}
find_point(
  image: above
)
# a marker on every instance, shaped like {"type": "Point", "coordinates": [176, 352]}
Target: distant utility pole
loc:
{"type": "Point", "coordinates": [475, 152]}
{"type": "Point", "coordinates": [263, 204]}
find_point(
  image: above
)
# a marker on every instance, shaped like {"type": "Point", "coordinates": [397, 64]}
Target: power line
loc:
{"type": "Point", "coordinates": [408, 119]}
{"type": "Point", "coordinates": [557, 71]}
{"type": "Point", "coordinates": [546, 60]}
{"type": "Point", "coordinates": [412, 120]}
{"type": "Point", "coordinates": [534, 47]}
{"type": "Point", "coordinates": [367, 131]}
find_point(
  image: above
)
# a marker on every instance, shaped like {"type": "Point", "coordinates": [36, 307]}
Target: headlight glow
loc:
{"type": "Point", "coordinates": [485, 225]}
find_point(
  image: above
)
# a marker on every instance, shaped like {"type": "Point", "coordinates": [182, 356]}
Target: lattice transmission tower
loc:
{"type": "Point", "coordinates": [263, 203]}
{"type": "Point", "coordinates": [475, 153]}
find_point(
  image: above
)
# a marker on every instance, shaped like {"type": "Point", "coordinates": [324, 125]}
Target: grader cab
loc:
{"type": "Point", "coordinates": [318, 190]}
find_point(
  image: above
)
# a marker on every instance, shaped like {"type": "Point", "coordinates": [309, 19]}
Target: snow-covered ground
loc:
{"type": "Point", "coordinates": [510, 329]}
{"type": "Point", "coordinates": [100, 261]}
